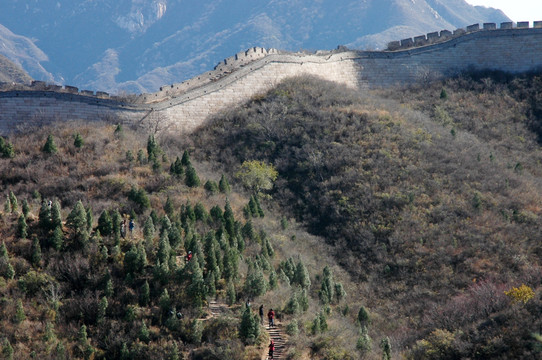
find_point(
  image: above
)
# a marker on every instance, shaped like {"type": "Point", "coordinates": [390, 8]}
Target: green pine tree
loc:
{"type": "Point", "coordinates": [57, 239]}
{"type": "Point", "coordinates": [385, 345]}
{"type": "Point", "coordinates": [78, 141]}
{"type": "Point", "coordinates": [292, 328]}
{"type": "Point", "coordinates": [196, 331]}
{"type": "Point", "coordinates": [50, 147]}
{"type": "Point", "coordinates": [148, 230]}
{"type": "Point", "coordinates": [22, 227]}
{"type": "Point", "coordinates": [56, 216]}
{"type": "Point", "coordinates": [185, 161]}
{"type": "Point", "coordinates": [364, 343]}
{"type": "Point", "coordinates": [109, 289]}
{"type": "Point", "coordinates": [7, 350]}
{"type": "Point", "coordinates": [364, 318]}
{"type": "Point", "coordinates": [255, 283]}
{"type": "Point", "coordinates": [14, 206]}
{"type": "Point", "coordinates": [249, 329]}
{"type": "Point", "coordinates": [169, 208]}
{"type": "Point", "coordinates": [165, 301]}
{"type": "Point", "coordinates": [44, 217]}
{"type": "Point", "coordinates": [20, 316]}
{"type": "Point", "coordinates": [90, 219]}
{"type": "Point", "coordinates": [340, 293]}
{"type": "Point", "coordinates": [119, 131]}
{"type": "Point", "coordinates": [211, 186]}
{"type": "Point", "coordinates": [327, 289]}
{"type": "Point", "coordinates": [144, 294]}
{"type": "Point", "coordinates": [36, 251]}
{"type": "Point", "coordinates": [191, 179]}
{"type": "Point", "coordinates": [224, 185]}
{"type": "Point", "coordinates": [144, 334]}
{"type": "Point", "coordinates": [301, 276]}
{"type": "Point", "coordinates": [231, 295]}
{"type": "Point", "coordinates": [6, 149]}
{"type": "Point", "coordinates": [176, 169]}
{"type": "Point", "coordinates": [197, 289]}
{"type": "Point", "coordinates": [200, 212]}
{"type": "Point", "coordinates": [102, 309]}
{"type": "Point", "coordinates": [25, 207]}
{"type": "Point", "coordinates": [77, 222]}
{"type": "Point", "coordinates": [105, 224]}
{"type": "Point", "coordinates": [174, 353]}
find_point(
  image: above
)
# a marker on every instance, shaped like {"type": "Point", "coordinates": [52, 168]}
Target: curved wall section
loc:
{"type": "Point", "coordinates": [183, 107]}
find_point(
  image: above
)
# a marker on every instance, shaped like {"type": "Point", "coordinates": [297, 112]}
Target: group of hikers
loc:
{"type": "Point", "coordinates": [271, 318]}
{"type": "Point", "coordinates": [131, 226]}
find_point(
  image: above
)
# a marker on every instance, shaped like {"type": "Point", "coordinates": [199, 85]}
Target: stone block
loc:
{"type": "Point", "coordinates": [71, 89]}
{"type": "Point", "coordinates": [522, 25]}
{"type": "Point", "coordinates": [507, 25]}
{"type": "Point", "coordinates": [473, 27]}
{"type": "Point", "coordinates": [394, 45]}
{"type": "Point", "coordinates": [490, 26]}
{"type": "Point", "coordinates": [407, 42]}
{"type": "Point", "coordinates": [420, 40]}
{"type": "Point", "coordinates": [445, 34]}
{"type": "Point", "coordinates": [458, 32]}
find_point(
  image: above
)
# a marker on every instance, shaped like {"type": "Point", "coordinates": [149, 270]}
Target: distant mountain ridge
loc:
{"type": "Point", "coordinates": [11, 73]}
{"type": "Point", "coordinates": [139, 45]}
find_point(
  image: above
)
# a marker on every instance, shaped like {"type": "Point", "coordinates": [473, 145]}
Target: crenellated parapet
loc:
{"type": "Point", "coordinates": [182, 107]}
{"type": "Point", "coordinates": [445, 35]}
{"type": "Point", "coordinates": [222, 69]}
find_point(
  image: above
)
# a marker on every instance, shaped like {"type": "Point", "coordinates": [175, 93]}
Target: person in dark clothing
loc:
{"type": "Point", "coordinates": [261, 313]}
{"type": "Point", "coordinates": [131, 226]}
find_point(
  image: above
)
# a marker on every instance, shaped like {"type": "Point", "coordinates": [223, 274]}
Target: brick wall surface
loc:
{"type": "Point", "coordinates": [183, 107]}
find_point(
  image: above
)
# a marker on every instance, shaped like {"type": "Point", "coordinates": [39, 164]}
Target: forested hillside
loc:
{"type": "Point", "coordinates": [429, 196]}
{"type": "Point", "coordinates": [400, 223]}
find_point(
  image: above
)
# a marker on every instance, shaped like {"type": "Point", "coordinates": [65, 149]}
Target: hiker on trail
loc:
{"type": "Point", "coordinates": [188, 256]}
{"type": "Point", "coordinates": [131, 226]}
{"type": "Point", "coordinates": [247, 303]}
{"type": "Point", "coordinates": [261, 313]}
{"type": "Point", "coordinates": [271, 349]}
{"type": "Point", "coordinates": [123, 229]}
{"type": "Point", "coordinates": [271, 317]}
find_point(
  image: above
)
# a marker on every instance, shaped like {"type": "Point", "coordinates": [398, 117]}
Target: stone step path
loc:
{"type": "Point", "coordinates": [277, 334]}
{"type": "Point", "coordinates": [216, 309]}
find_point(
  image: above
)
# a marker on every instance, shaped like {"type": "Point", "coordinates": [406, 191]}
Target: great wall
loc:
{"type": "Point", "coordinates": [182, 107]}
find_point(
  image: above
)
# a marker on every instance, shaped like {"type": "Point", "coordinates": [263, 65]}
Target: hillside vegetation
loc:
{"type": "Point", "coordinates": [400, 224]}
{"type": "Point", "coordinates": [431, 202]}
{"type": "Point", "coordinates": [77, 284]}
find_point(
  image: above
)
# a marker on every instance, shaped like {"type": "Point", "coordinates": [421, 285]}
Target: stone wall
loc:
{"type": "Point", "coordinates": [20, 109]}
{"type": "Point", "coordinates": [185, 106]}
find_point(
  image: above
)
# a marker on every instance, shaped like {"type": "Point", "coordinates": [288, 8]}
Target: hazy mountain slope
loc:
{"type": "Point", "coordinates": [9, 72]}
{"type": "Point", "coordinates": [141, 45]}
{"type": "Point", "coordinates": [24, 53]}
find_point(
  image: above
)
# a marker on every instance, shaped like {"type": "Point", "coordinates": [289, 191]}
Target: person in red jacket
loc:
{"type": "Point", "coordinates": [271, 317]}
{"type": "Point", "coordinates": [189, 256]}
{"type": "Point", "coordinates": [271, 349]}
